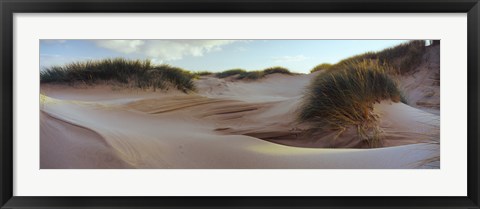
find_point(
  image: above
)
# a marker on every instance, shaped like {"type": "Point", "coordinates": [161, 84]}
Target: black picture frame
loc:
{"type": "Point", "coordinates": [9, 7]}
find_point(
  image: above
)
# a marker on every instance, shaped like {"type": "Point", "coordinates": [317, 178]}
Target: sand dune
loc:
{"type": "Point", "coordinates": [226, 124]}
{"type": "Point", "coordinates": [422, 86]}
{"type": "Point", "coordinates": [67, 145]}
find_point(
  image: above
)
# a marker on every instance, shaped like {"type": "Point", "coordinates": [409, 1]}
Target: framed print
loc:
{"type": "Point", "coordinates": [161, 104]}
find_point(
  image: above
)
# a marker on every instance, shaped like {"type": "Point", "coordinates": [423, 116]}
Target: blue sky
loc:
{"type": "Point", "coordinates": [212, 55]}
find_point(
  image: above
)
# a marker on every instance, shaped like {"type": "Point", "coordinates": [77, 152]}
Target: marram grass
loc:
{"type": "Point", "coordinates": [139, 73]}
{"type": "Point", "coordinates": [253, 75]}
{"type": "Point", "coordinates": [202, 73]}
{"type": "Point", "coordinates": [323, 66]}
{"type": "Point", "coordinates": [228, 73]}
{"type": "Point", "coordinates": [344, 98]}
{"type": "Point", "coordinates": [277, 69]}
{"type": "Point", "coordinates": [403, 57]}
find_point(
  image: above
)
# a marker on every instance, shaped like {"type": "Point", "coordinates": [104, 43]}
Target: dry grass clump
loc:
{"type": "Point", "coordinates": [141, 74]}
{"type": "Point", "coordinates": [404, 57]}
{"type": "Point", "coordinates": [229, 73]}
{"type": "Point", "coordinates": [202, 73]}
{"type": "Point", "coordinates": [277, 69]}
{"type": "Point", "coordinates": [165, 76]}
{"type": "Point", "coordinates": [344, 98]}
{"type": "Point", "coordinates": [323, 66]}
{"type": "Point", "coordinates": [253, 75]}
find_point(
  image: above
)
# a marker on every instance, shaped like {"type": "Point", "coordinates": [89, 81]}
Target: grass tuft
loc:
{"type": "Point", "coordinates": [202, 73]}
{"type": "Point", "coordinates": [140, 73]}
{"type": "Point", "coordinates": [323, 66]}
{"type": "Point", "coordinates": [229, 73]}
{"type": "Point", "coordinates": [253, 75]}
{"type": "Point", "coordinates": [277, 69]}
{"type": "Point", "coordinates": [344, 98]}
{"type": "Point", "coordinates": [403, 58]}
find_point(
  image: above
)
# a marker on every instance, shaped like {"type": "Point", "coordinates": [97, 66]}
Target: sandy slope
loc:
{"type": "Point", "coordinates": [67, 145]}
{"type": "Point", "coordinates": [422, 86]}
{"type": "Point", "coordinates": [225, 125]}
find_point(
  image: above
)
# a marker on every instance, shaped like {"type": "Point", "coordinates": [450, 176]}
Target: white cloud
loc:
{"type": "Point", "coordinates": [164, 50]}
{"type": "Point", "coordinates": [124, 46]}
{"type": "Point", "coordinates": [296, 58]}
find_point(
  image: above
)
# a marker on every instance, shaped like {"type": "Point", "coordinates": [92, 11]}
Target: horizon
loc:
{"type": "Point", "coordinates": [298, 56]}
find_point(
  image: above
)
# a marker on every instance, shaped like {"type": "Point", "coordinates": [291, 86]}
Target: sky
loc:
{"type": "Point", "coordinates": [212, 55]}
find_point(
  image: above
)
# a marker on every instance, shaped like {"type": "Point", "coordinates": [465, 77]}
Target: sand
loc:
{"type": "Point", "coordinates": [226, 124]}
{"type": "Point", "coordinates": [422, 85]}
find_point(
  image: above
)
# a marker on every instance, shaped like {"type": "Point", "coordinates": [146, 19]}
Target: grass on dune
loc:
{"type": "Point", "coordinates": [139, 73]}
{"type": "Point", "coordinates": [277, 69]}
{"type": "Point", "coordinates": [253, 75]}
{"type": "Point", "coordinates": [229, 73]}
{"type": "Point", "coordinates": [344, 98]}
{"type": "Point", "coordinates": [323, 66]}
{"type": "Point", "coordinates": [202, 73]}
{"type": "Point", "coordinates": [403, 58]}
